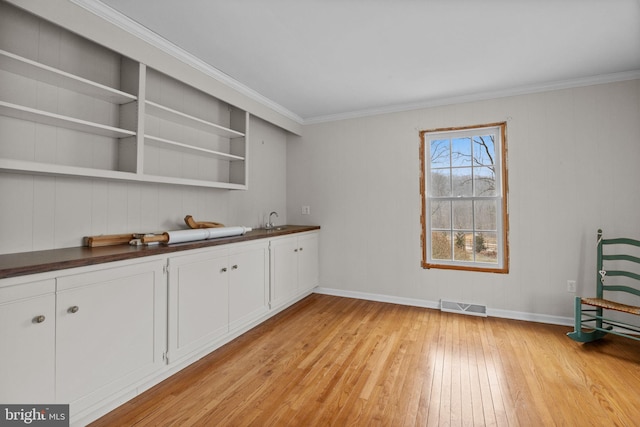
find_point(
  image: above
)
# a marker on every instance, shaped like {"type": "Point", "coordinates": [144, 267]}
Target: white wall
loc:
{"type": "Point", "coordinates": [267, 163]}
{"type": "Point", "coordinates": [40, 212]}
{"type": "Point", "coordinates": [573, 159]}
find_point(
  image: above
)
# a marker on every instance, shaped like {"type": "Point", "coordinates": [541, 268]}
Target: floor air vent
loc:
{"type": "Point", "coordinates": [463, 308]}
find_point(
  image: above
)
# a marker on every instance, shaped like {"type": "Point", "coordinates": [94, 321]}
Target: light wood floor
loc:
{"type": "Point", "coordinates": [330, 361]}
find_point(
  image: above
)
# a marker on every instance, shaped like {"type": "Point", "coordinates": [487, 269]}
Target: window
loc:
{"type": "Point", "coordinates": [463, 185]}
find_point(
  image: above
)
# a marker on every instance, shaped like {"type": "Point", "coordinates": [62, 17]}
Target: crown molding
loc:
{"type": "Point", "coordinates": [480, 96]}
{"type": "Point", "coordinates": [116, 18]}
{"type": "Point", "coordinates": [136, 29]}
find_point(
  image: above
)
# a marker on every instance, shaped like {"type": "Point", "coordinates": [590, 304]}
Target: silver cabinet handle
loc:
{"type": "Point", "coordinates": [39, 319]}
{"type": "Point", "coordinates": [234, 267]}
{"type": "Point", "coordinates": [73, 309]}
{"type": "Point", "coordinates": [223, 270]}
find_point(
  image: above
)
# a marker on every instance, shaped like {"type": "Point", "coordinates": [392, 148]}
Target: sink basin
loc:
{"type": "Point", "coordinates": [277, 228]}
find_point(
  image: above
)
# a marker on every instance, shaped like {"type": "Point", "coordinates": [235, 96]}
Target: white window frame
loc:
{"type": "Point", "coordinates": [500, 196]}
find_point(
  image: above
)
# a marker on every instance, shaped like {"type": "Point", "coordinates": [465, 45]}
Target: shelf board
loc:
{"type": "Point", "coordinates": [47, 118]}
{"type": "Point", "coordinates": [34, 70]}
{"type": "Point", "coordinates": [23, 166]}
{"type": "Point", "coordinates": [170, 114]}
{"type": "Point", "coordinates": [31, 168]}
{"type": "Point", "coordinates": [164, 143]}
{"type": "Point", "coordinates": [193, 182]}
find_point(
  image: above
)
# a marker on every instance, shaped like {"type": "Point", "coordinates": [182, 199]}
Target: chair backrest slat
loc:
{"type": "Point", "coordinates": [618, 272]}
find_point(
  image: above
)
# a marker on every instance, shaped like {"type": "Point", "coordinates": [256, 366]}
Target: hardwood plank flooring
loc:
{"type": "Point", "coordinates": [331, 361]}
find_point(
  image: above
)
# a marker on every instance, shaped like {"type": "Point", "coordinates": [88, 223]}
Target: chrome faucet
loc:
{"type": "Point", "coordinates": [269, 224]}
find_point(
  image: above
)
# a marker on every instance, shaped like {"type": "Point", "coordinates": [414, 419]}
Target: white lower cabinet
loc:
{"type": "Point", "coordinates": [27, 342]}
{"type": "Point", "coordinates": [110, 331]}
{"type": "Point", "coordinates": [293, 266]}
{"type": "Point", "coordinates": [81, 338]}
{"type": "Point", "coordinates": [198, 307]}
{"type": "Point", "coordinates": [96, 336]}
{"type": "Point", "coordinates": [308, 269]}
{"type": "Point", "coordinates": [248, 283]}
{"type": "Point", "coordinates": [212, 291]}
{"type": "Point", "coordinates": [284, 269]}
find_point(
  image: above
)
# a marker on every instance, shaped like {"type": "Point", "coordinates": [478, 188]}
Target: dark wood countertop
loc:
{"type": "Point", "coordinates": [24, 263]}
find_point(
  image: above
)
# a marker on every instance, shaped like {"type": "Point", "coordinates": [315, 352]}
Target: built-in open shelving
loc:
{"type": "Point", "coordinates": [34, 70]}
{"type": "Point", "coordinates": [122, 120]}
{"type": "Point", "coordinates": [52, 119]}
{"type": "Point", "coordinates": [39, 168]}
{"type": "Point", "coordinates": [178, 117]}
{"type": "Point", "coordinates": [179, 146]}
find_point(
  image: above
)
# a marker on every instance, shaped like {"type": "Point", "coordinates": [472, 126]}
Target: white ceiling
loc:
{"type": "Point", "coordinates": [322, 59]}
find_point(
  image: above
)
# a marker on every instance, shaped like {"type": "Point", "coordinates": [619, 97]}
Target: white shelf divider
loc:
{"type": "Point", "coordinates": [170, 114]}
{"type": "Point", "coordinates": [27, 167]}
{"type": "Point", "coordinates": [191, 182]}
{"type": "Point", "coordinates": [34, 70]}
{"type": "Point", "coordinates": [22, 166]}
{"type": "Point", "coordinates": [161, 142]}
{"type": "Point", "coordinates": [47, 118]}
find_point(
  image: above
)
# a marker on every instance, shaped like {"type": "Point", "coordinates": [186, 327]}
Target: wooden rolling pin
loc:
{"type": "Point", "coordinates": [110, 239]}
{"type": "Point", "coordinates": [155, 238]}
{"type": "Point", "coordinates": [181, 236]}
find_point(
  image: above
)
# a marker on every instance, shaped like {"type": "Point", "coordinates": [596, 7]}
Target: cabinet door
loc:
{"type": "Point", "coordinates": [248, 284]}
{"type": "Point", "coordinates": [110, 331]}
{"type": "Point", "coordinates": [284, 269]}
{"type": "Point", "coordinates": [308, 262]}
{"type": "Point", "coordinates": [27, 345]}
{"type": "Point", "coordinates": [198, 301]}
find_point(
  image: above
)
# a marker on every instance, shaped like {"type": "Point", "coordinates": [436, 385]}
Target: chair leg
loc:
{"type": "Point", "coordinates": [578, 334]}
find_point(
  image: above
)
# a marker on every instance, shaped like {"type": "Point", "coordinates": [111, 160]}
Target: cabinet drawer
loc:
{"type": "Point", "coordinates": [26, 290]}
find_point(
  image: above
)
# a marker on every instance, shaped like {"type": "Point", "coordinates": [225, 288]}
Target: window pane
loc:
{"type": "Point", "coordinates": [441, 214]}
{"type": "Point", "coordinates": [461, 182]}
{"type": "Point", "coordinates": [463, 215]}
{"type": "Point", "coordinates": [440, 183]}
{"type": "Point", "coordinates": [485, 247]}
{"type": "Point", "coordinates": [486, 215]}
{"type": "Point", "coordinates": [441, 245]}
{"type": "Point", "coordinates": [463, 246]}
{"type": "Point", "coordinates": [484, 181]}
{"type": "Point", "coordinates": [440, 157]}
{"type": "Point", "coordinates": [461, 152]}
{"type": "Point", "coordinates": [484, 150]}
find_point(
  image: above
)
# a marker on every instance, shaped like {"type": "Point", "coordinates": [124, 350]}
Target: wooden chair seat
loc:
{"type": "Point", "coordinates": [611, 305]}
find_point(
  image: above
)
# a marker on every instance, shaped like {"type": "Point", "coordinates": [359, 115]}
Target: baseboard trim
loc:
{"type": "Point", "coordinates": [415, 302]}
{"type": "Point", "coordinates": [377, 297]}
{"type": "Point", "coordinates": [530, 317]}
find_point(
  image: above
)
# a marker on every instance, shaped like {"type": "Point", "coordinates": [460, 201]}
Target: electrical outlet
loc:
{"type": "Point", "coordinates": [306, 210]}
{"type": "Point", "coordinates": [571, 285]}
